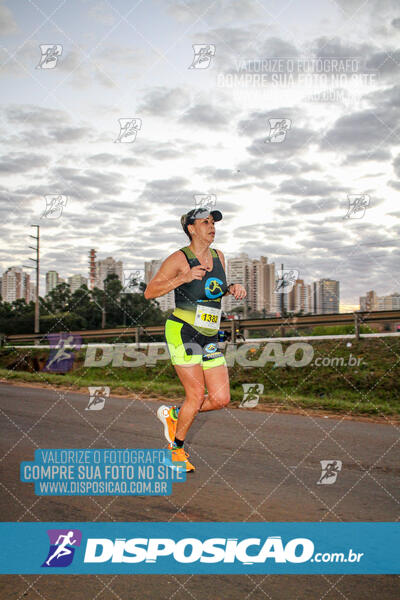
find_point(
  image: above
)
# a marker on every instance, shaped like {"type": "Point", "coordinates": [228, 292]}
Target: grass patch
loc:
{"type": "Point", "coordinates": [369, 388]}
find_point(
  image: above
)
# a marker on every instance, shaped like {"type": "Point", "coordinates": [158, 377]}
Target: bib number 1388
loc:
{"type": "Point", "coordinates": [209, 318]}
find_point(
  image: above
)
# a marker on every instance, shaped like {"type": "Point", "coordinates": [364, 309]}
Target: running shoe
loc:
{"type": "Point", "coordinates": [168, 416]}
{"type": "Point", "coordinates": [179, 456]}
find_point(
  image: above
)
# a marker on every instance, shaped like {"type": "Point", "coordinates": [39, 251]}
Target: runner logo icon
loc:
{"type": "Point", "coordinates": [210, 347]}
{"type": "Point", "coordinates": [213, 287]}
{"type": "Point", "coordinates": [60, 359]}
{"type": "Point", "coordinates": [62, 547]}
{"type": "Point", "coordinates": [330, 470]}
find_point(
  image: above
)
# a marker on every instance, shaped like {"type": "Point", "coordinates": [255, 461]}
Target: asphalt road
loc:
{"type": "Point", "coordinates": [250, 466]}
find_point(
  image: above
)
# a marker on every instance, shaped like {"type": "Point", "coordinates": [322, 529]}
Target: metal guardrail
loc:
{"type": "Point", "coordinates": [235, 327]}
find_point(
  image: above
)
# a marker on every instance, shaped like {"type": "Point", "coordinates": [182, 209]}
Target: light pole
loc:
{"type": "Point", "coordinates": [37, 261]}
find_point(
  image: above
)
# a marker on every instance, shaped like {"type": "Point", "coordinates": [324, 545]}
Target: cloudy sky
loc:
{"type": "Point", "coordinates": [330, 68]}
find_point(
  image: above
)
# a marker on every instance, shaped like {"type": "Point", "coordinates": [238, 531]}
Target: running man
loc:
{"type": "Point", "coordinates": [62, 549]}
{"type": "Point", "coordinates": [60, 352]}
{"type": "Point", "coordinates": [197, 274]}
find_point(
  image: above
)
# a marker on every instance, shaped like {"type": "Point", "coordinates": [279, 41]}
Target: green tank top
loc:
{"type": "Point", "coordinates": [207, 291]}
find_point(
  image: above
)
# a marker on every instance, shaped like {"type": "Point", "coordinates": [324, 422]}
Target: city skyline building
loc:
{"type": "Point", "coordinates": [166, 302]}
{"type": "Point", "coordinates": [300, 297]}
{"type": "Point", "coordinates": [257, 275]}
{"type": "Point", "coordinates": [92, 268]}
{"type": "Point", "coordinates": [372, 302]}
{"type": "Point", "coordinates": [261, 285]}
{"type": "Point", "coordinates": [326, 296]}
{"type": "Point", "coordinates": [75, 282]}
{"type": "Point", "coordinates": [32, 293]}
{"type": "Point", "coordinates": [15, 284]}
{"type": "Point", "coordinates": [52, 280]}
{"type": "Point", "coordinates": [237, 271]}
{"type": "Point", "coordinates": [105, 267]}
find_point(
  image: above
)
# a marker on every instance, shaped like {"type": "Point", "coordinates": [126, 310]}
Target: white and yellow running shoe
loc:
{"type": "Point", "coordinates": [168, 416]}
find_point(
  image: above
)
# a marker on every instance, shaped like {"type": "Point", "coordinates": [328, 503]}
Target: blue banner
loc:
{"type": "Point", "coordinates": [219, 548]}
{"type": "Point", "coordinates": [102, 472]}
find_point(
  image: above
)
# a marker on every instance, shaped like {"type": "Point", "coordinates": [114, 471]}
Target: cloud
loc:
{"type": "Point", "coordinates": [34, 126]}
{"type": "Point", "coordinates": [386, 6]}
{"type": "Point", "coordinates": [8, 26]}
{"type": "Point", "coordinates": [384, 98]}
{"type": "Point", "coordinates": [309, 207]}
{"type": "Point", "coordinates": [159, 192]}
{"type": "Point", "coordinates": [130, 198]}
{"type": "Point", "coordinates": [299, 136]}
{"type": "Point", "coordinates": [104, 183]}
{"type": "Point", "coordinates": [394, 184]}
{"type": "Point", "coordinates": [256, 169]}
{"type": "Point", "coordinates": [266, 230]}
{"type": "Point", "coordinates": [207, 115]}
{"type": "Point", "coordinates": [163, 102]}
{"type": "Point", "coordinates": [308, 187]}
{"type": "Point", "coordinates": [335, 47]}
{"type": "Point", "coordinates": [111, 67]}
{"type": "Point", "coordinates": [154, 151]}
{"type": "Point", "coordinates": [374, 155]}
{"type": "Point", "coordinates": [65, 135]}
{"type": "Point", "coordinates": [296, 140]}
{"type": "Point", "coordinates": [386, 62]}
{"type": "Point", "coordinates": [396, 165]}
{"type": "Point", "coordinates": [105, 158]}
{"type": "Point", "coordinates": [223, 11]}
{"type": "Point", "coordinates": [367, 130]}
{"type": "Point", "coordinates": [15, 163]}
{"type": "Point", "coordinates": [259, 171]}
{"type": "Point", "coordinates": [219, 174]}
{"type": "Point", "coordinates": [29, 114]}
{"type": "Point", "coordinates": [102, 13]}
{"type": "Point", "coordinates": [257, 121]}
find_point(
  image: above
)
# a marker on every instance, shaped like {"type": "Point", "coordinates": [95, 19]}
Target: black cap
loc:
{"type": "Point", "coordinates": [201, 213]}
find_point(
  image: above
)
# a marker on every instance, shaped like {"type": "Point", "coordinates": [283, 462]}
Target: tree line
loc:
{"type": "Point", "coordinates": [62, 310]}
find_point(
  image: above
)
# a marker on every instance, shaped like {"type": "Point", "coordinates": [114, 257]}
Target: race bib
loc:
{"type": "Point", "coordinates": [207, 316]}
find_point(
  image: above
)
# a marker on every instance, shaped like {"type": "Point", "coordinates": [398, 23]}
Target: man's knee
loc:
{"type": "Point", "coordinates": [195, 398]}
{"type": "Point", "coordinates": [221, 398]}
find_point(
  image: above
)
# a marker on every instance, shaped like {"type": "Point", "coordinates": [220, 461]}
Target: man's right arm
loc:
{"type": "Point", "coordinates": [170, 275]}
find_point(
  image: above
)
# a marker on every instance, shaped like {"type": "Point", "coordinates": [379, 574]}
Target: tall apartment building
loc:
{"type": "Point", "coordinates": [326, 296]}
{"type": "Point", "coordinates": [106, 267]}
{"type": "Point", "coordinates": [300, 297]}
{"type": "Point", "coordinates": [261, 285]}
{"type": "Point", "coordinates": [257, 276]}
{"type": "Point", "coordinates": [396, 301]}
{"type": "Point", "coordinates": [283, 300]}
{"type": "Point", "coordinates": [32, 293]}
{"type": "Point", "coordinates": [237, 271]}
{"type": "Point", "coordinates": [371, 302]}
{"type": "Point", "coordinates": [75, 282]}
{"type": "Point", "coordinates": [15, 284]}
{"type": "Point", "coordinates": [166, 302]}
{"type": "Point", "coordinates": [52, 280]}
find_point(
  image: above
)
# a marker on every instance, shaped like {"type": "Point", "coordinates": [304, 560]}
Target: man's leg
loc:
{"type": "Point", "coordinates": [217, 383]}
{"type": "Point", "coordinates": [193, 380]}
